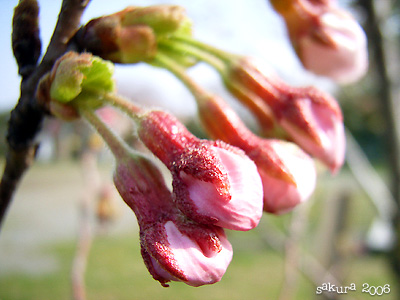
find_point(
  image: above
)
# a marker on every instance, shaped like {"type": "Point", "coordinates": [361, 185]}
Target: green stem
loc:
{"type": "Point", "coordinates": [227, 57]}
{"type": "Point", "coordinates": [117, 145]}
{"type": "Point", "coordinates": [185, 49]}
{"type": "Point", "coordinates": [131, 109]}
{"type": "Point", "coordinates": [165, 62]}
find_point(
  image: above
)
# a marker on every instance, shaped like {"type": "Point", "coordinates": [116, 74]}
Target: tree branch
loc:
{"type": "Point", "coordinates": [26, 43]}
{"type": "Point", "coordinates": [67, 25]}
{"type": "Point", "coordinates": [27, 117]}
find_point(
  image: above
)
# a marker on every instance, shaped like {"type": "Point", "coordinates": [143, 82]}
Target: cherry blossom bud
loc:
{"type": "Point", "coordinates": [327, 39]}
{"type": "Point", "coordinates": [163, 19]}
{"type": "Point", "coordinates": [173, 247]}
{"type": "Point", "coordinates": [76, 80]}
{"type": "Point", "coordinates": [337, 49]}
{"type": "Point", "coordinates": [131, 35]}
{"type": "Point", "coordinates": [81, 77]}
{"type": "Point", "coordinates": [282, 196]}
{"type": "Point", "coordinates": [26, 44]}
{"type": "Point", "coordinates": [192, 253]}
{"type": "Point", "coordinates": [213, 183]}
{"type": "Point", "coordinates": [288, 174]}
{"type": "Point", "coordinates": [290, 9]}
{"type": "Point", "coordinates": [314, 121]}
{"type": "Point", "coordinates": [312, 118]}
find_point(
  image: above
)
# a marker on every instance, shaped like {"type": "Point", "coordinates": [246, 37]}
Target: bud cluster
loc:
{"type": "Point", "coordinates": [306, 115]}
{"type": "Point", "coordinates": [215, 185]}
{"type": "Point", "coordinates": [219, 184]}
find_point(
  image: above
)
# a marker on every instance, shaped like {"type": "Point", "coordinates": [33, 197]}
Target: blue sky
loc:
{"type": "Point", "coordinates": [246, 27]}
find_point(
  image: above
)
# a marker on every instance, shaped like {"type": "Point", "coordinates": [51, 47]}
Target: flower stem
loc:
{"type": "Point", "coordinates": [117, 145]}
{"type": "Point", "coordinates": [131, 109]}
{"type": "Point", "coordinates": [227, 57]}
{"type": "Point", "coordinates": [165, 62]}
{"type": "Point", "coordinates": [184, 49]}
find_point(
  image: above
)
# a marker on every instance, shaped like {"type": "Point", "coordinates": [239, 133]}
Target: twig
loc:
{"type": "Point", "coordinates": [292, 251]}
{"type": "Point", "coordinates": [309, 266]}
{"type": "Point", "coordinates": [27, 117]}
{"type": "Point", "coordinates": [369, 180]}
{"type": "Point", "coordinates": [67, 25]}
{"type": "Point", "coordinates": [91, 188]}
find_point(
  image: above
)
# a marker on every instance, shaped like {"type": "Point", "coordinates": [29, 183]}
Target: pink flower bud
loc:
{"type": "Point", "coordinates": [287, 173]}
{"type": "Point", "coordinates": [213, 183]}
{"type": "Point", "coordinates": [173, 247]}
{"type": "Point", "coordinates": [312, 118]}
{"type": "Point", "coordinates": [314, 121]}
{"type": "Point", "coordinates": [337, 48]}
{"type": "Point", "coordinates": [282, 196]}
{"type": "Point", "coordinates": [327, 39]}
{"type": "Point", "coordinates": [194, 254]}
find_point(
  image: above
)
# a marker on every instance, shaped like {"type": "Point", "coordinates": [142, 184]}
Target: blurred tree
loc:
{"type": "Point", "coordinates": [385, 51]}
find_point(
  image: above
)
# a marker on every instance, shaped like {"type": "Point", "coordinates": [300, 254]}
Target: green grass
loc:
{"type": "Point", "coordinates": [116, 271]}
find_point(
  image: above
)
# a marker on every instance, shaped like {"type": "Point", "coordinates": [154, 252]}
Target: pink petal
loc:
{"type": "Point", "coordinates": [345, 59]}
{"type": "Point", "coordinates": [197, 268]}
{"type": "Point", "coordinates": [281, 196]}
{"type": "Point", "coordinates": [330, 147]}
{"type": "Point", "coordinates": [244, 209]}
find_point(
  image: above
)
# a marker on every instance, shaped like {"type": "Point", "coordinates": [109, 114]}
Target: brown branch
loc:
{"type": "Point", "coordinates": [15, 161]}
{"type": "Point", "coordinates": [67, 25]}
{"type": "Point", "coordinates": [26, 118]}
{"type": "Point", "coordinates": [26, 42]}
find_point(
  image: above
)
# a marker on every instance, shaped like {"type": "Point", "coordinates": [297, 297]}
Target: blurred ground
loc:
{"type": "Point", "coordinates": [38, 241]}
{"type": "Point", "coordinates": [44, 212]}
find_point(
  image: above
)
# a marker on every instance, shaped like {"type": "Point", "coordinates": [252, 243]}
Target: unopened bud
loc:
{"type": "Point", "coordinates": [76, 80]}
{"type": "Point", "coordinates": [173, 247]}
{"type": "Point", "coordinates": [25, 37]}
{"type": "Point", "coordinates": [214, 183]}
{"type": "Point", "coordinates": [336, 49]}
{"type": "Point", "coordinates": [312, 118]}
{"type": "Point", "coordinates": [131, 35]}
{"type": "Point", "coordinates": [281, 196]}
{"type": "Point", "coordinates": [163, 19]}
{"type": "Point", "coordinates": [178, 251]}
{"type": "Point", "coordinates": [288, 174]}
{"type": "Point", "coordinates": [327, 39]}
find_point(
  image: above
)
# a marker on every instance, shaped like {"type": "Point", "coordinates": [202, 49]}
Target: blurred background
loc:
{"type": "Point", "coordinates": [344, 234]}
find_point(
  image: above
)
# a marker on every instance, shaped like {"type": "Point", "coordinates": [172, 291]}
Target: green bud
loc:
{"type": "Point", "coordinates": [133, 34]}
{"type": "Point", "coordinates": [81, 78]}
{"type": "Point", "coordinates": [136, 43]}
{"type": "Point", "coordinates": [163, 19]}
